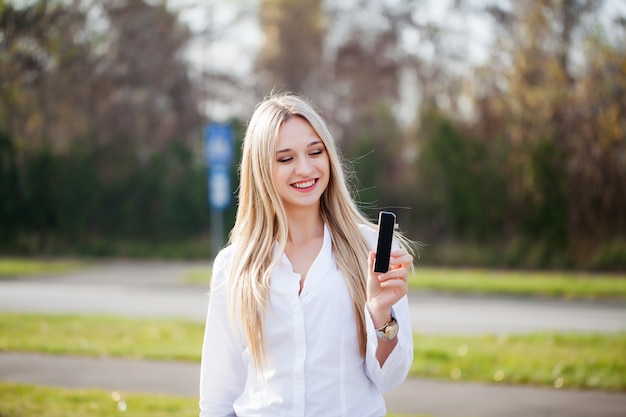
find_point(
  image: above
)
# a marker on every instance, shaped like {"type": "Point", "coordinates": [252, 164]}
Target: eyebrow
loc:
{"type": "Point", "coordinates": [315, 142]}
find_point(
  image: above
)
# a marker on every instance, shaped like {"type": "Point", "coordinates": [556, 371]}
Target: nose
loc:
{"type": "Point", "coordinates": [303, 167]}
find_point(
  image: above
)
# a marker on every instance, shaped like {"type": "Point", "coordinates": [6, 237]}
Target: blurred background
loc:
{"type": "Point", "coordinates": [495, 129]}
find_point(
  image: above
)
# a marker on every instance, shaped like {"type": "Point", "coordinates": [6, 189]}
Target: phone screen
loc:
{"type": "Point", "coordinates": [386, 225]}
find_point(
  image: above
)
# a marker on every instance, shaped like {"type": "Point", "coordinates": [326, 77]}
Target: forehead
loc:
{"type": "Point", "coordinates": [296, 131]}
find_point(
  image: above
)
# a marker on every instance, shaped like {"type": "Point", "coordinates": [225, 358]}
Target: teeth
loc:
{"type": "Point", "coordinates": [304, 184]}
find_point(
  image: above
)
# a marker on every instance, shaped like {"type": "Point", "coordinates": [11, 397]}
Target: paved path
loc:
{"type": "Point", "coordinates": [152, 289]}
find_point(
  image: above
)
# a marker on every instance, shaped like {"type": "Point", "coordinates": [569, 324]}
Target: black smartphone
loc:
{"type": "Point", "coordinates": [386, 225]}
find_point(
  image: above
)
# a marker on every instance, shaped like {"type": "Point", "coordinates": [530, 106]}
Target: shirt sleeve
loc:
{"type": "Point", "coordinates": [222, 369]}
{"type": "Point", "coordinates": [396, 368]}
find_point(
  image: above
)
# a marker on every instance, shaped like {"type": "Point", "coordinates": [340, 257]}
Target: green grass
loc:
{"type": "Point", "coordinates": [101, 336]}
{"type": "Point", "coordinates": [39, 401]}
{"type": "Point", "coordinates": [536, 283]}
{"type": "Point", "coordinates": [589, 361]}
{"type": "Point", "coordinates": [568, 360]}
{"type": "Point", "coordinates": [19, 400]}
{"type": "Point", "coordinates": [19, 267]}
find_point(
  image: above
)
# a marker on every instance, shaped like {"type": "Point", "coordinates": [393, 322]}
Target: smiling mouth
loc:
{"type": "Point", "coordinates": [304, 184]}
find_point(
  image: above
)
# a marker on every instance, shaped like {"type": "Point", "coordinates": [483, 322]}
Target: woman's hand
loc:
{"type": "Point", "coordinates": [385, 289]}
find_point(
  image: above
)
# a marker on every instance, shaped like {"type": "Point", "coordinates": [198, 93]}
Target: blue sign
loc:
{"type": "Point", "coordinates": [218, 144]}
{"type": "Point", "coordinates": [218, 153]}
{"type": "Point", "coordinates": [219, 188]}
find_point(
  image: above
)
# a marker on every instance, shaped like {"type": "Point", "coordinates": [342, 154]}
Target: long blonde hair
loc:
{"type": "Point", "coordinates": [261, 222]}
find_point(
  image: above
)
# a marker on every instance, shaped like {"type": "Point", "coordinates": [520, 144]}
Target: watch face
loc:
{"type": "Point", "coordinates": [391, 330]}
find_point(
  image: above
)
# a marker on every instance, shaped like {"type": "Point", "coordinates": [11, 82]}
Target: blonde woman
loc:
{"type": "Point", "coordinates": [298, 324]}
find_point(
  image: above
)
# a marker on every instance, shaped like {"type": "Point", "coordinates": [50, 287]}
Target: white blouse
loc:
{"type": "Point", "coordinates": [313, 365]}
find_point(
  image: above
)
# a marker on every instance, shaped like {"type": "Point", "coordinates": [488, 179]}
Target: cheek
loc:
{"type": "Point", "coordinates": [280, 176]}
{"type": "Point", "coordinates": [323, 162]}
{"type": "Point", "coordinates": [326, 167]}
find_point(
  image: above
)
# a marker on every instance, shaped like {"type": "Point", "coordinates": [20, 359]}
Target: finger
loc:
{"type": "Point", "coordinates": [397, 284]}
{"type": "Point", "coordinates": [406, 258]}
{"type": "Point", "coordinates": [399, 266]}
{"type": "Point", "coordinates": [370, 261]}
{"type": "Point", "coordinates": [402, 260]}
{"type": "Point", "coordinates": [393, 283]}
{"type": "Point", "coordinates": [399, 273]}
{"type": "Point", "coordinates": [400, 253]}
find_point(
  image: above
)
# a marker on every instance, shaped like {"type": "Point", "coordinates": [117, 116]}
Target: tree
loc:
{"type": "Point", "coordinates": [597, 147]}
{"type": "Point", "coordinates": [145, 91]}
{"type": "Point", "coordinates": [292, 46]}
{"type": "Point", "coordinates": [563, 171]}
{"type": "Point", "coordinates": [42, 53]}
{"type": "Point", "coordinates": [98, 123]}
{"type": "Point", "coordinates": [134, 82]}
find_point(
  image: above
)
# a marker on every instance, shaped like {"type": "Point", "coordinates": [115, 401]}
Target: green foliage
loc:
{"type": "Point", "coordinates": [460, 187]}
{"type": "Point", "coordinates": [194, 248]}
{"type": "Point", "coordinates": [547, 207]}
{"type": "Point", "coordinates": [93, 194]}
{"type": "Point", "coordinates": [376, 156]}
{"type": "Point", "coordinates": [521, 253]}
{"type": "Point", "coordinates": [609, 256]}
{"type": "Point", "coordinates": [9, 203]}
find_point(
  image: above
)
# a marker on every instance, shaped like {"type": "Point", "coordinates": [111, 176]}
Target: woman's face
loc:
{"type": "Point", "coordinates": [302, 168]}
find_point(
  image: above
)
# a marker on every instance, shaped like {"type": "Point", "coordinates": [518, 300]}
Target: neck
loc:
{"type": "Point", "coordinates": [304, 225]}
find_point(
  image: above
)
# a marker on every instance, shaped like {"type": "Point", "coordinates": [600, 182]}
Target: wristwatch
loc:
{"type": "Point", "coordinates": [388, 331]}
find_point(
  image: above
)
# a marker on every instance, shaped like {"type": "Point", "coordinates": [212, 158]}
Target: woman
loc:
{"type": "Point", "coordinates": [298, 324]}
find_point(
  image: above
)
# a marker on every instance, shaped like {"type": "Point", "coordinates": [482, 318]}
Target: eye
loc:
{"type": "Point", "coordinates": [285, 159]}
{"type": "Point", "coordinates": [316, 152]}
